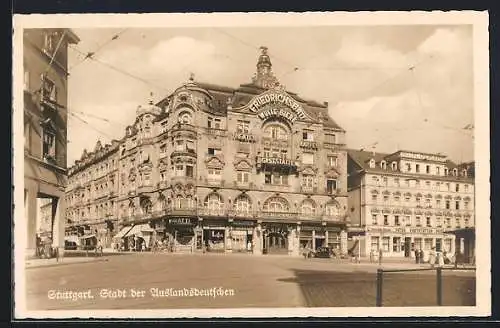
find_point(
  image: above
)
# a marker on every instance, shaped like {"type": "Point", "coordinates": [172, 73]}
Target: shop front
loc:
{"type": "Point", "coordinates": [242, 235]}
{"type": "Point", "coordinates": [403, 241]}
{"type": "Point", "coordinates": [215, 235]}
{"type": "Point", "coordinates": [275, 239]}
{"type": "Point", "coordinates": [180, 234]}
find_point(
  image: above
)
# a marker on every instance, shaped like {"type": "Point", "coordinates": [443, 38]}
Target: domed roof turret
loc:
{"type": "Point", "coordinates": [149, 108]}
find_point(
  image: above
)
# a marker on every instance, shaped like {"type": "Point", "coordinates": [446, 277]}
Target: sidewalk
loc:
{"type": "Point", "coordinates": [37, 263]}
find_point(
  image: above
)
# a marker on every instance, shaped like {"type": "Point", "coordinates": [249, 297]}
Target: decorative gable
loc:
{"type": "Point", "coordinates": [243, 165]}
{"type": "Point", "coordinates": [214, 162]}
{"type": "Point", "coordinates": [332, 173]}
{"type": "Point", "coordinates": [309, 171]}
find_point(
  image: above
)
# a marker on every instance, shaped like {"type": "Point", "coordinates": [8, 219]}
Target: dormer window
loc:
{"type": "Point", "coordinates": [383, 165]}
{"type": "Point", "coordinates": [455, 172]}
{"type": "Point", "coordinates": [445, 171]}
{"type": "Point", "coordinates": [372, 163]}
{"type": "Point", "coordinates": [394, 166]}
{"type": "Point", "coordinates": [464, 173]}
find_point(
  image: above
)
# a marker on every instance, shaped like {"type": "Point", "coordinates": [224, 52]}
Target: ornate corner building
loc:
{"type": "Point", "coordinates": [407, 200]}
{"type": "Point", "coordinates": [45, 62]}
{"type": "Point", "coordinates": [224, 169]}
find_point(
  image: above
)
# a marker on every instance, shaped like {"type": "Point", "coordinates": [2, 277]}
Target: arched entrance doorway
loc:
{"type": "Point", "coordinates": [275, 239]}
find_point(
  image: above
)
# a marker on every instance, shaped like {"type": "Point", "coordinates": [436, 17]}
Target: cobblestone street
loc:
{"type": "Point", "coordinates": [266, 281]}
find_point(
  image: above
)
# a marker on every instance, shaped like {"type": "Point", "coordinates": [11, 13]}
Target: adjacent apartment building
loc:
{"type": "Point", "coordinates": [409, 200]}
{"type": "Point", "coordinates": [45, 63]}
{"type": "Point", "coordinates": [252, 168]}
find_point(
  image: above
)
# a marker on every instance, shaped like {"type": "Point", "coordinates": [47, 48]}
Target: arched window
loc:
{"type": "Point", "coordinates": [242, 204]}
{"type": "Point", "coordinates": [372, 163]}
{"type": "Point", "coordinates": [276, 131]}
{"type": "Point", "coordinates": [146, 206]}
{"type": "Point", "coordinates": [332, 209]}
{"type": "Point", "coordinates": [276, 204]}
{"type": "Point", "coordinates": [383, 165]}
{"type": "Point", "coordinates": [183, 202]}
{"type": "Point", "coordinates": [308, 207]}
{"type": "Point", "coordinates": [214, 201]}
{"type": "Point", "coordinates": [185, 118]}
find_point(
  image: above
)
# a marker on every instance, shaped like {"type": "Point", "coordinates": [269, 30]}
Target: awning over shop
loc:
{"type": "Point", "coordinates": [139, 229]}
{"type": "Point", "coordinates": [87, 236]}
{"type": "Point", "coordinates": [73, 239]}
{"type": "Point", "coordinates": [123, 232]}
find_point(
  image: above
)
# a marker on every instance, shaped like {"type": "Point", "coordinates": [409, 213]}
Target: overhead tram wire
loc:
{"type": "Point", "coordinates": [91, 126]}
{"type": "Point", "coordinates": [119, 70]}
{"type": "Point", "coordinates": [91, 54]}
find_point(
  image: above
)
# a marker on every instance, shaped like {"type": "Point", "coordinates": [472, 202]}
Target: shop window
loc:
{"type": "Point", "coordinates": [375, 243]}
{"type": "Point", "coordinates": [396, 244]}
{"type": "Point", "coordinates": [427, 244]}
{"type": "Point", "coordinates": [385, 244]}
{"type": "Point", "coordinates": [307, 158]}
{"type": "Point", "coordinates": [447, 245]}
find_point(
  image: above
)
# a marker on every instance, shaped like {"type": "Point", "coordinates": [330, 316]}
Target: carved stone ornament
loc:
{"type": "Point", "coordinates": [243, 165]}
{"type": "Point", "coordinates": [214, 162]}
{"type": "Point", "coordinates": [132, 175]}
{"type": "Point", "coordinates": [332, 173]}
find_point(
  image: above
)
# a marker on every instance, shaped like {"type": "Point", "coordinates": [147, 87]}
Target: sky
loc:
{"type": "Point", "coordinates": [390, 87]}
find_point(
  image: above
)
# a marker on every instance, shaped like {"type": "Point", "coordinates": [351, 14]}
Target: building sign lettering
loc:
{"type": "Point", "coordinates": [402, 230]}
{"type": "Point", "coordinates": [424, 157]}
{"type": "Point", "coordinates": [244, 137]}
{"type": "Point", "coordinates": [264, 115]}
{"type": "Point", "coordinates": [180, 221]}
{"type": "Point", "coordinates": [276, 97]}
{"type": "Point", "coordinates": [275, 160]}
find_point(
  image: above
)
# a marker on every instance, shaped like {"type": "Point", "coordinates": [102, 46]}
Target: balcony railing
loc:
{"type": "Point", "coordinates": [216, 132]}
{"type": "Point", "coordinates": [183, 152]}
{"type": "Point", "coordinates": [183, 126]}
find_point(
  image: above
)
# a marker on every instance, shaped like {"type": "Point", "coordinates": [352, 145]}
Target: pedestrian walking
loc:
{"type": "Point", "coordinates": [420, 256]}
{"type": "Point", "coordinates": [440, 259]}
{"type": "Point", "coordinates": [417, 256]}
{"type": "Point", "coordinates": [432, 257]}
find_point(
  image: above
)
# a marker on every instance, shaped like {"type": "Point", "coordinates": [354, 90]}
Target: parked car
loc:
{"type": "Point", "coordinates": [70, 245]}
{"type": "Point", "coordinates": [323, 252]}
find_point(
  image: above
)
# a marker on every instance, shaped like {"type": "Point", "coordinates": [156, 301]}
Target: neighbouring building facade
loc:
{"type": "Point", "coordinates": [253, 168]}
{"type": "Point", "coordinates": [45, 63]}
{"type": "Point", "coordinates": [408, 200]}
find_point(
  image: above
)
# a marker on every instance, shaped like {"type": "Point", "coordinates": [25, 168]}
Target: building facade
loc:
{"type": "Point", "coordinates": [254, 168]}
{"type": "Point", "coordinates": [45, 62]}
{"type": "Point", "coordinates": [408, 200]}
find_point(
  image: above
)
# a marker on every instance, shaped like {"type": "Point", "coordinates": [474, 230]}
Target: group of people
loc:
{"type": "Point", "coordinates": [435, 258]}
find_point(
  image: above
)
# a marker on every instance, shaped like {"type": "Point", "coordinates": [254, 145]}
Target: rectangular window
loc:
{"type": "Point", "coordinates": [466, 205]}
{"type": "Point", "coordinates": [375, 243]}
{"type": "Point", "coordinates": [374, 198]}
{"type": "Point", "coordinates": [427, 169]}
{"type": "Point", "coordinates": [217, 123]}
{"type": "Point", "coordinates": [214, 174]}
{"type": "Point", "coordinates": [438, 170]}
{"type": "Point", "coordinates": [439, 222]}
{"type": "Point", "coordinates": [307, 181]}
{"type": "Point", "coordinates": [374, 219]}
{"type": "Point", "coordinates": [385, 244]}
{"type": "Point", "coordinates": [243, 126]}
{"type": "Point", "coordinates": [448, 222]}
{"type": "Point", "coordinates": [242, 177]}
{"type": "Point", "coordinates": [428, 222]}
{"type": "Point", "coordinates": [276, 179]}
{"type": "Point", "coordinates": [386, 198]}
{"type": "Point", "coordinates": [332, 161]}
{"type": "Point", "coordinates": [210, 122]}
{"type": "Point", "coordinates": [331, 138]}
{"type": "Point", "coordinates": [396, 244]}
{"type": "Point", "coordinates": [179, 170]}
{"type": "Point", "coordinates": [466, 188]}
{"type": "Point", "coordinates": [417, 168]}
{"type": "Point", "coordinates": [427, 244]}
{"type": "Point", "coordinates": [190, 145]}
{"type": "Point", "coordinates": [331, 186]}
{"type": "Point", "coordinates": [163, 149]}
{"type": "Point", "coordinates": [397, 199]}
{"type": "Point", "coordinates": [408, 167]}
{"type": "Point", "coordinates": [211, 151]}
{"type": "Point", "coordinates": [307, 158]}
{"type": "Point", "coordinates": [447, 206]}
{"type": "Point", "coordinates": [179, 145]}
{"type": "Point", "coordinates": [49, 91]}
{"type": "Point", "coordinates": [189, 171]}
{"type": "Point", "coordinates": [396, 182]}
{"type": "Point", "coordinates": [447, 186]}
{"type": "Point", "coordinates": [49, 144]}
{"type": "Point", "coordinates": [308, 136]}
{"type": "Point", "coordinates": [386, 219]}
{"type": "Point", "coordinates": [396, 220]}
{"type": "Point", "coordinates": [457, 187]}
{"type": "Point", "coordinates": [418, 221]}
{"type": "Point", "coordinates": [457, 205]}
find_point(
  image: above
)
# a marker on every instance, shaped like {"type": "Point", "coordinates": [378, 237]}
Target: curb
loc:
{"type": "Point", "coordinates": [63, 263]}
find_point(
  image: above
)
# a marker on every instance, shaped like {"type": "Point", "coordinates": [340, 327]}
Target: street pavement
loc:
{"type": "Point", "coordinates": [158, 281]}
